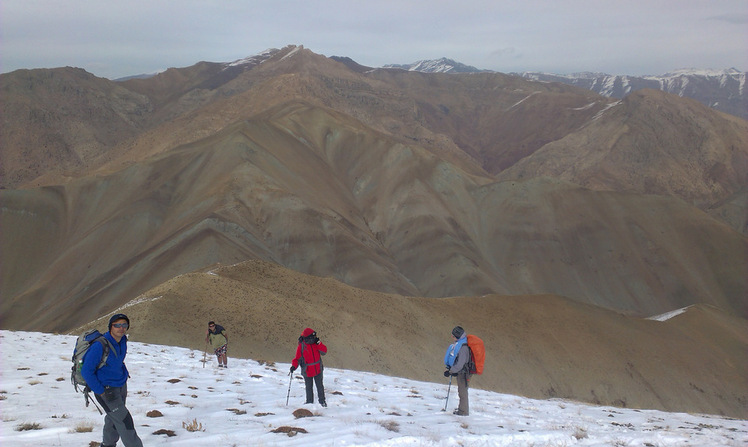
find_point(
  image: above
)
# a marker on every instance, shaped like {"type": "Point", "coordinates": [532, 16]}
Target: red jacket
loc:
{"type": "Point", "coordinates": [310, 354]}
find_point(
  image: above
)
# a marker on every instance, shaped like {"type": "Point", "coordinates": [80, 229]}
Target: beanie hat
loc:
{"type": "Point", "coordinates": [458, 331]}
{"type": "Point", "coordinates": [116, 317]}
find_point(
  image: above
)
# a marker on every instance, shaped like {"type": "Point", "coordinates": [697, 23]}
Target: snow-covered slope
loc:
{"type": "Point", "coordinates": [246, 404]}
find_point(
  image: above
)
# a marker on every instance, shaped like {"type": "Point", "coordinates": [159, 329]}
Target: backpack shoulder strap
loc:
{"type": "Point", "coordinates": [106, 346]}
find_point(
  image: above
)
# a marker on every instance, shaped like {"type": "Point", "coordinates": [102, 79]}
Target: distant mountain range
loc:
{"type": "Point", "coordinates": [722, 90]}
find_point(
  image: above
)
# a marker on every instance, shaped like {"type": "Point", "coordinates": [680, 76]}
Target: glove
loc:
{"type": "Point", "coordinates": [446, 373]}
{"type": "Point", "coordinates": [109, 394]}
{"type": "Point", "coordinates": [293, 368]}
{"type": "Point", "coordinates": [316, 340]}
{"type": "Point", "coordinates": [454, 374]}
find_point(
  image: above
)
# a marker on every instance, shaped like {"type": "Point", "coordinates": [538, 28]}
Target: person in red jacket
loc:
{"type": "Point", "coordinates": [309, 354]}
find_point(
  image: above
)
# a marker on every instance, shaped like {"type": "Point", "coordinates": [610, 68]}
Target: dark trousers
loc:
{"type": "Point", "coordinates": [462, 390]}
{"type": "Point", "coordinates": [317, 380]}
{"type": "Point", "coordinates": [118, 423]}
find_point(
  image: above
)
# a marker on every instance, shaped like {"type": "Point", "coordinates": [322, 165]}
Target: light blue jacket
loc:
{"type": "Point", "coordinates": [457, 355]}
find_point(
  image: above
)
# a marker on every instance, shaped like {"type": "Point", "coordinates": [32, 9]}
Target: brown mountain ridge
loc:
{"type": "Point", "coordinates": [540, 346]}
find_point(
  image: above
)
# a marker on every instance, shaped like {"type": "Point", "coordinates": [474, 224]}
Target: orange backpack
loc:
{"type": "Point", "coordinates": [477, 354]}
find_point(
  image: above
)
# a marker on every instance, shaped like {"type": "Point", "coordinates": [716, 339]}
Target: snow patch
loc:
{"type": "Point", "coordinates": [668, 315]}
{"type": "Point", "coordinates": [587, 107]}
{"type": "Point", "coordinates": [523, 99]}
{"type": "Point", "coordinates": [292, 52]}
{"type": "Point", "coordinates": [139, 301]}
{"type": "Point", "coordinates": [605, 109]}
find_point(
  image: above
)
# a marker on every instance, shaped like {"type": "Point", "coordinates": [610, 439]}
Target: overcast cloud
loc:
{"type": "Point", "coordinates": [116, 38]}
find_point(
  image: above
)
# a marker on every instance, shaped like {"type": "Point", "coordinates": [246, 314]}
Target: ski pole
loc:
{"type": "Point", "coordinates": [290, 375]}
{"type": "Point", "coordinates": [448, 390]}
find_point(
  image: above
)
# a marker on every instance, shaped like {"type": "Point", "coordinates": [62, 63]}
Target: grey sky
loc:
{"type": "Point", "coordinates": [119, 38]}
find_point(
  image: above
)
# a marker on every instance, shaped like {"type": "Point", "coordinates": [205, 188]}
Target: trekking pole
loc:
{"type": "Point", "coordinates": [448, 390]}
{"type": "Point", "coordinates": [205, 353]}
{"type": "Point", "coordinates": [289, 387]}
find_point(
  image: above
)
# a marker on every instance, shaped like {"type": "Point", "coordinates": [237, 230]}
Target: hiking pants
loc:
{"type": "Point", "coordinates": [462, 391]}
{"type": "Point", "coordinates": [310, 391]}
{"type": "Point", "coordinates": [118, 422]}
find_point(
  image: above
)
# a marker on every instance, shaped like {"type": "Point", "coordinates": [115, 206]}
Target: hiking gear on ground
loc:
{"type": "Point", "coordinates": [458, 331]}
{"type": "Point", "coordinates": [449, 388]}
{"type": "Point", "coordinates": [116, 317]}
{"type": "Point", "coordinates": [82, 346]}
{"type": "Point", "coordinates": [477, 354]}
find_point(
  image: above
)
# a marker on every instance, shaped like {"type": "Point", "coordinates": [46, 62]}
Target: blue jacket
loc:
{"type": "Point", "coordinates": [457, 355]}
{"type": "Point", "coordinates": [113, 373]}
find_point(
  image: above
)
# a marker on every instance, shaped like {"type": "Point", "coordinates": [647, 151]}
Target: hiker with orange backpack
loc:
{"type": "Point", "coordinates": [457, 360]}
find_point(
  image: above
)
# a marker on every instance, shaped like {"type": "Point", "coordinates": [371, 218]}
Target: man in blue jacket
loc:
{"type": "Point", "coordinates": [456, 360]}
{"type": "Point", "coordinates": [109, 384]}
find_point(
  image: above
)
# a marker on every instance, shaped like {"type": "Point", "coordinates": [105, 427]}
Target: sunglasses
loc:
{"type": "Point", "coordinates": [121, 325]}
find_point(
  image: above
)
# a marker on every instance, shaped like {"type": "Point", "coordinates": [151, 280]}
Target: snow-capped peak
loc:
{"type": "Point", "coordinates": [254, 60]}
{"type": "Point", "coordinates": [443, 65]}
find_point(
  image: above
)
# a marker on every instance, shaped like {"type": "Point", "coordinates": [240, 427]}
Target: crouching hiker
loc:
{"type": "Point", "coordinates": [309, 354]}
{"type": "Point", "coordinates": [219, 341]}
{"type": "Point", "coordinates": [456, 360]}
{"type": "Point", "coordinates": [109, 384]}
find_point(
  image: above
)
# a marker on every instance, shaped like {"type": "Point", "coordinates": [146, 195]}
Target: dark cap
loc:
{"type": "Point", "coordinates": [458, 331]}
{"type": "Point", "coordinates": [116, 317]}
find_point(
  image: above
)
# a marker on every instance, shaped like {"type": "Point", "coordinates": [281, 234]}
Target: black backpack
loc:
{"type": "Point", "coordinates": [82, 345]}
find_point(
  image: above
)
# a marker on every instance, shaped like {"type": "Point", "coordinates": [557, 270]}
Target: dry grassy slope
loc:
{"type": "Point", "coordinates": [61, 121]}
{"type": "Point", "coordinates": [497, 119]}
{"type": "Point", "coordinates": [651, 143]}
{"type": "Point", "coordinates": [320, 193]}
{"type": "Point", "coordinates": [538, 346]}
